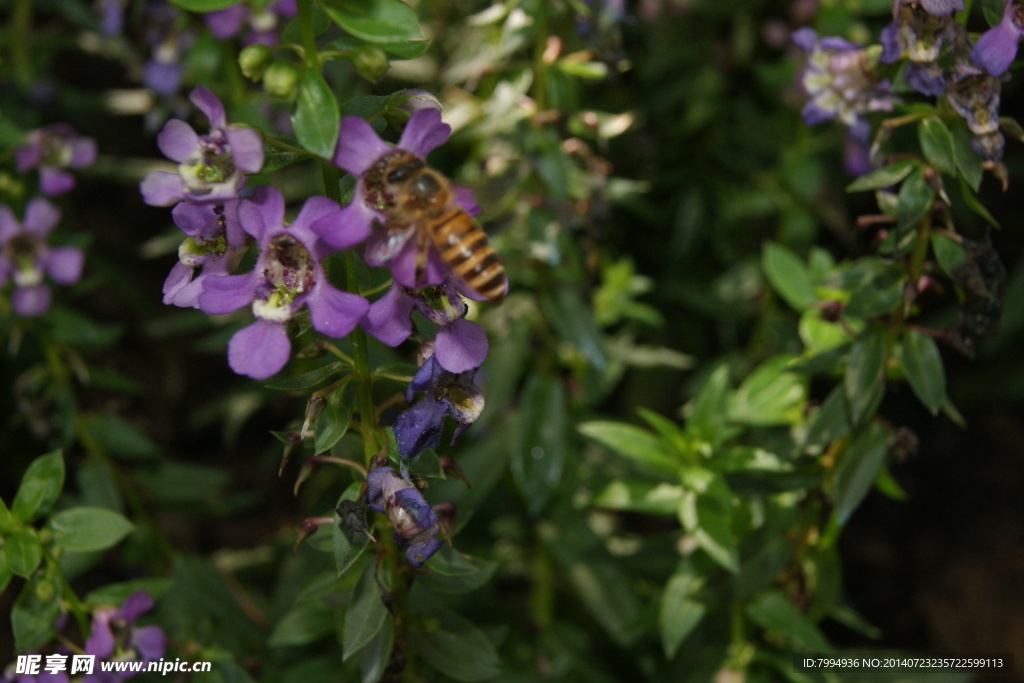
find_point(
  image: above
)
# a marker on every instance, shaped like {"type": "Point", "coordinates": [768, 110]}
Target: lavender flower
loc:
{"type": "Point", "coordinates": [446, 394]}
{"type": "Point", "coordinates": [215, 244]}
{"type": "Point", "coordinates": [114, 636]}
{"type": "Point", "coordinates": [839, 80]}
{"type": "Point", "coordinates": [162, 73]}
{"type": "Point", "coordinates": [918, 31]}
{"type": "Point", "coordinates": [263, 21]}
{"type": "Point", "coordinates": [25, 257]}
{"type": "Point", "coordinates": [997, 47]}
{"type": "Point", "coordinates": [359, 149]}
{"type": "Point", "coordinates": [415, 523]}
{"type": "Point", "coordinates": [52, 149]}
{"type": "Point", "coordinates": [974, 95]}
{"type": "Point", "coordinates": [212, 167]}
{"type": "Point", "coordinates": [287, 277]}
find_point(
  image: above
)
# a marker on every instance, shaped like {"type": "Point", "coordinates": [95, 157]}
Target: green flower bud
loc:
{"type": "Point", "coordinates": [281, 80]}
{"type": "Point", "coordinates": [254, 60]}
{"type": "Point", "coordinates": [371, 62]}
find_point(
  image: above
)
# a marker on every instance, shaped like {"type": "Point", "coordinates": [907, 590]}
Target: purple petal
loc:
{"type": "Point", "coordinates": [163, 79]}
{"type": "Point", "coordinates": [160, 188]}
{"type": "Point", "coordinates": [813, 114]}
{"type": "Point", "coordinates": [333, 312]}
{"type": "Point", "coordinates": [227, 293]}
{"type": "Point", "coordinates": [358, 146]}
{"type": "Point", "coordinates": [134, 605]}
{"type": "Point", "coordinates": [8, 223]}
{"type": "Point", "coordinates": [425, 378]}
{"type": "Point", "coordinates": [83, 152]}
{"type": "Point", "coordinates": [375, 484]}
{"type": "Point", "coordinates": [926, 79]}
{"type": "Point", "coordinates": [341, 229]}
{"type": "Point", "coordinates": [53, 181]}
{"type": "Point", "coordinates": [411, 501]}
{"type": "Point", "coordinates": [890, 38]}
{"type": "Point", "coordinates": [232, 226]}
{"type": "Point", "coordinates": [246, 149]}
{"type": "Point", "coordinates": [30, 155]}
{"type": "Point", "coordinates": [192, 218]}
{"type": "Point", "coordinates": [464, 197]}
{"type": "Point", "coordinates": [64, 264]}
{"type": "Point", "coordinates": [208, 103]}
{"type": "Point", "coordinates": [101, 640]}
{"type": "Point", "coordinates": [404, 264]}
{"type": "Point", "coordinates": [419, 427]}
{"type": "Point", "coordinates": [263, 214]}
{"type": "Point", "coordinates": [40, 217]}
{"type": "Point", "coordinates": [177, 279]}
{"type": "Point", "coordinates": [997, 47]}
{"type": "Point", "coordinates": [314, 210]}
{"type": "Point", "coordinates": [941, 8]}
{"type": "Point", "coordinates": [177, 140]}
{"type": "Point", "coordinates": [226, 23]}
{"type": "Point", "coordinates": [28, 302]}
{"type": "Point", "coordinates": [259, 350]}
{"type": "Point", "coordinates": [424, 132]}
{"type": "Point", "coordinates": [149, 641]}
{"type": "Point", "coordinates": [460, 346]}
{"type": "Point", "coordinates": [388, 318]}
{"type": "Point", "coordinates": [805, 38]}
{"type": "Point", "coordinates": [420, 550]}
{"type": "Point", "coordinates": [837, 44]}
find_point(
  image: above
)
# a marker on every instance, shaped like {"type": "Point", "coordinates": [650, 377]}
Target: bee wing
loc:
{"type": "Point", "coordinates": [385, 244]}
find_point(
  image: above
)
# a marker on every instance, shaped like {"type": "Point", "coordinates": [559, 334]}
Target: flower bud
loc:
{"type": "Point", "coordinates": [281, 80]}
{"type": "Point", "coordinates": [371, 62]}
{"type": "Point", "coordinates": [253, 61]}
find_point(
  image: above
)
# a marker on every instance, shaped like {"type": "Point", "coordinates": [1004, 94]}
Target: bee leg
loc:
{"type": "Point", "coordinates": [422, 253]}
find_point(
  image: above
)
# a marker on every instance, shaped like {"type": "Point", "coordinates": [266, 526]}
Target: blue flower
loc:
{"type": "Point", "coordinates": [415, 523]}
{"type": "Point", "coordinates": [997, 47]}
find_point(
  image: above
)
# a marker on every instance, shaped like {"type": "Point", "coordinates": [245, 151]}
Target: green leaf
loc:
{"type": "Point", "coordinates": [914, 198]}
{"type": "Point", "coordinates": [864, 377]}
{"type": "Point", "coordinates": [706, 512]}
{"type": "Point", "coordinates": [538, 453]}
{"type": "Point", "coordinates": [316, 115]}
{"type": "Point", "coordinates": [348, 541]}
{"type": "Point", "coordinates": [116, 593]}
{"type": "Point", "coordinates": [22, 551]}
{"type": "Point", "coordinates": [119, 437]}
{"type": "Point", "coordinates": [770, 395]}
{"type": "Point", "coordinates": [333, 422]}
{"type": "Point", "coordinates": [40, 487]}
{"type": "Point", "coordinates": [454, 573]}
{"type": "Point", "coordinates": [975, 205]}
{"type": "Point", "coordinates": [276, 157]}
{"type": "Point", "coordinates": [858, 468]}
{"type": "Point", "coordinates": [879, 291]}
{"type": "Point", "coordinates": [967, 160]}
{"type": "Point", "coordinates": [937, 144]}
{"type": "Point", "coordinates": [634, 443]}
{"type": "Point", "coordinates": [86, 529]}
{"type": "Point", "coordinates": [572, 318]}
{"type": "Point", "coordinates": [455, 647]}
{"type": "Point", "coordinates": [375, 21]}
{"type": "Point", "coordinates": [79, 331]}
{"type": "Point", "coordinates": [35, 612]}
{"type": "Point", "coordinates": [635, 495]}
{"type": "Point", "coordinates": [922, 364]}
{"type": "Point", "coordinates": [948, 252]}
{"type": "Point", "coordinates": [788, 275]}
{"type": "Point", "coordinates": [183, 484]}
{"type": "Point", "coordinates": [203, 5]}
{"type": "Point", "coordinates": [829, 422]}
{"type": "Point", "coordinates": [308, 380]}
{"type": "Point", "coordinates": [306, 622]}
{"type": "Point", "coordinates": [374, 658]}
{"type": "Point", "coordinates": [773, 611]}
{"type": "Point", "coordinates": [886, 176]}
{"type": "Point", "coordinates": [707, 415]}
{"type": "Point", "coordinates": [678, 611]}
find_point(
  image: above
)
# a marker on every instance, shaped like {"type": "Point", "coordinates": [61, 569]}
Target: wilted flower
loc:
{"type": "Point", "coordinates": [263, 21]}
{"type": "Point", "coordinates": [415, 523]}
{"type": "Point", "coordinates": [839, 79]}
{"type": "Point", "coordinates": [359, 148]}
{"type": "Point", "coordinates": [25, 257]}
{"type": "Point", "coordinates": [114, 636]}
{"type": "Point", "coordinates": [211, 167]}
{"type": "Point", "coordinates": [52, 149]}
{"type": "Point", "coordinates": [162, 73]}
{"type": "Point", "coordinates": [445, 394]}
{"type": "Point", "coordinates": [974, 95]}
{"type": "Point", "coordinates": [918, 32]}
{"type": "Point", "coordinates": [997, 47]}
{"type": "Point", "coordinates": [215, 243]}
{"type": "Point", "coordinates": [287, 277]}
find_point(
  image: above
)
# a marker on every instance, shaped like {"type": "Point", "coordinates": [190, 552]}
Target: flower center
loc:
{"type": "Point", "coordinates": [23, 252]}
{"type": "Point", "coordinates": [214, 163]}
{"type": "Point", "coordinates": [289, 271]}
{"type": "Point", "coordinates": [55, 150]}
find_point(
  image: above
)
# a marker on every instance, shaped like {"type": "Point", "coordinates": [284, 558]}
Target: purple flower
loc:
{"type": "Point", "coordinates": [460, 345]}
{"type": "Point", "coordinates": [997, 47]}
{"type": "Point", "coordinates": [114, 636]}
{"type": "Point", "coordinates": [52, 149]}
{"type": "Point", "coordinates": [25, 257]}
{"type": "Point", "coordinates": [415, 523]}
{"type": "Point", "coordinates": [212, 167]}
{"type": "Point", "coordinates": [918, 32]}
{"type": "Point", "coordinates": [446, 394]}
{"type": "Point", "coordinates": [974, 95]}
{"type": "Point", "coordinates": [168, 41]}
{"type": "Point", "coordinates": [215, 243]}
{"type": "Point", "coordinates": [359, 150]}
{"type": "Point", "coordinates": [287, 277]}
{"type": "Point", "coordinates": [263, 21]}
{"type": "Point", "coordinates": [839, 79]}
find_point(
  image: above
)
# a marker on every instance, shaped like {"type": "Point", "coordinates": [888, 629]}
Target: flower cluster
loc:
{"type": "Point", "coordinates": [53, 149]}
{"type": "Point", "coordinates": [919, 31]}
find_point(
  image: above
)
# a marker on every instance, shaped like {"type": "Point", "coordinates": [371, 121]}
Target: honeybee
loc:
{"type": "Point", "coordinates": [419, 204]}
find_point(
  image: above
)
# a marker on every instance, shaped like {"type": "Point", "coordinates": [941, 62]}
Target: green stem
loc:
{"type": "Point", "coordinates": [20, 29]}
{"type": "Point", "coordinates": [311, 56]}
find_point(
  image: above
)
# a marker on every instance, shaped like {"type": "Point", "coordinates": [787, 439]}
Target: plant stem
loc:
{"type": "Point", "coordinates": [310, 54]}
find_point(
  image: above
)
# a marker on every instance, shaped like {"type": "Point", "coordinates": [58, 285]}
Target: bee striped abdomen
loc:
{"type": "Point", "coordinates": [464, 247]}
